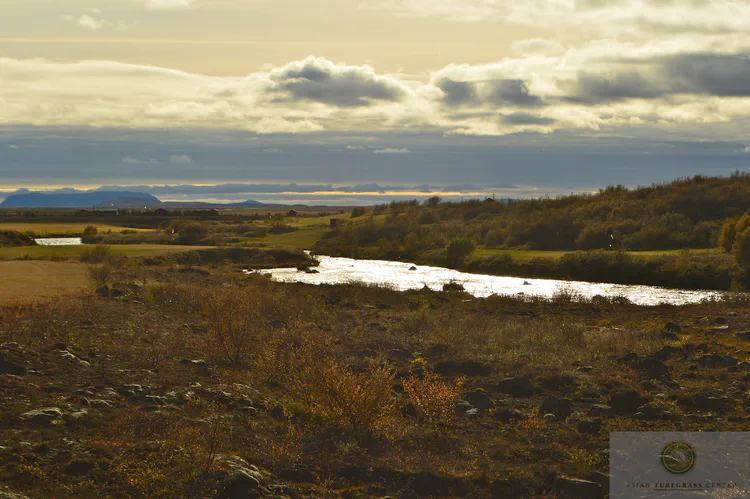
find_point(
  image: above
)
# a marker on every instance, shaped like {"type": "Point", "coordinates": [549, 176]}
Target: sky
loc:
{"type": "Point", "coordinates": [461, 97]}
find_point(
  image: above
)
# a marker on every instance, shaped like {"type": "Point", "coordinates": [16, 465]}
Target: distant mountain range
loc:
{"type": "Point", "coordinates": [79, 200]}
{"type": "Point", "coordinates": [105, 199]}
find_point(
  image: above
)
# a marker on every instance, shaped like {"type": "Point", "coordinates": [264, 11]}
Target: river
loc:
{"type": "Point", "coordinates": [397, 275]}
{"type": "Point", "coordinates": [59, 241]}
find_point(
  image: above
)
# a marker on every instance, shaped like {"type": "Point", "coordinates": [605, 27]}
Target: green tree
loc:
{"type": "Point", "coordinates": [741, 248]}
{"type": "Point", "coordinates": [458, 250]}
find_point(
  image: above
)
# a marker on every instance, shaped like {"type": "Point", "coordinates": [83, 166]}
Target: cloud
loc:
{"type": "Point", "coordinates": [746, 149]}
{"type": "Point", "coordinates": [319, 80]}
{"type": "Point", "coordinates": [389, 150]}
{"type": "Point", "coordinates": [181, 160]}
{"type": "Point", "coordinates": [272, 150]}
{"type": "Point", "coordinates": [538, 46]}
{"type": "Point", "coordinates": [355, 148]}
{"type": "Point", "coordinates": [86, 21]}
{"type": "Point", "coordinates": [525, 119]}
{"type": "Point", "coordinates": [169, 4]}
{"type": "Point", "coordinates": [133, 161]}
{"type": "Point", "coordinates": [13, 146]}
{"type": "Point", "coordinates": [501, 92]}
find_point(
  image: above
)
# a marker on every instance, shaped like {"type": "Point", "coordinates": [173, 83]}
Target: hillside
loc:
{"type": "Point", "coordinates": [686, 213]}
{"type": "Point", "coordinates": [76, 200]}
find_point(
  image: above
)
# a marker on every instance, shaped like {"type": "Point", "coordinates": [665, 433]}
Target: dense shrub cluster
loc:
{"type": "Point", "coordinates": [686, 213]}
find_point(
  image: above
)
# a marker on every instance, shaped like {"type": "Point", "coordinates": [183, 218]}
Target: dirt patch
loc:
{"type": "Point", "coordinates": [28, 281]}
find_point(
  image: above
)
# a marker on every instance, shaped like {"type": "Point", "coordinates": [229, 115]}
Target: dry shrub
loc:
{"type": "Point", "coordinates": [98, 253]}
{"type": "Point", "coordinates": [433, 398]}
{"type": "Point", "coordinates": [360, 400]}
{"type": "Point", "coordinates": [234, 323]}
{"type": "Point", "coordinates": [100, 275]}
{"type": "Point", "coordinates": [163, 455]}
{"type": "Point", "coordinates": [183, 297]}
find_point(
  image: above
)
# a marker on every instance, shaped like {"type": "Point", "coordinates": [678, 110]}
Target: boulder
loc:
{"type": "Point", "coordinates": [8, 367]}
{"type": "Point", "coordinates": [743, 336]}
{"type": "Point", "coordinates": [479, 398]}
{"type": "Point", "coordinates": [706, 401]}
{"type": "Point", "coordinates": [717, 360]}
{"type": "Point", "coordinates": [626, 401]}
{"type": "Point", "coordinates": [601, 410]}
{"type": "Point", "coordinates": [462, 368]}
{"type": "Point", "coordinates": [517, 386]}
{"type": "Point", "coordinates": [576, 488]}
{"type": "Point", "coordinates": [46, 415]}
{"type": "Point", "coordinates": [558, 382]}
{"type": "Point", "coordinates": [559, 407]}
{"type": "Point", "coordinates": [589, 427]}
{"type": "Point", "coordinates": [244, 483]}
{"type": "Point", "coordinates": [507, 414]}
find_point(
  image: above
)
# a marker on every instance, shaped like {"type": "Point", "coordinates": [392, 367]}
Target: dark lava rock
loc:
{"type": "Point", "coordinates": [502, 489]}
{"type": "Point", "coordinates": [717, 360]}
{"type": "Point", "coordinates": [479, 399]}
{"type": "Point", "coordinates": [244, 483]}
{"type": "Point", "coordinates": [744, 336]}
{"type": "Point", "coordinates": [706, 401]}
{"type": "Point", "coordinates": [507, 414]}
{"type": "Point", "coordinates": [589, 427]}
{"type": "Point", "coordinates": [8, 367]}
{"type": "Point", "coordinates": [400, 354]}
{"type": "Point", "coordinates": [653, 411]}
{"type": "Point", "coordinates": [79, 468]}
{"type": "Point", "coordinates": [669, 351]}
{"type": "Point", "coordinates": [672, 327]}
{"type": "Point", "coordinates": [575, 488]}
{"type": "Point", "coordinates": [626, 401]}
{"type": "Point", "coordinates": [462, 368]}
{"type": "Point", "coordinates": [650, 366]}
{"type": "Point", "coordinates": [518, 386]}
{"type": "Point", "coordinates": [103, 291]}
{"type": "Point", "coordinates": [560, 408]}
{"type": "Point", "coordinates": [558, 382]}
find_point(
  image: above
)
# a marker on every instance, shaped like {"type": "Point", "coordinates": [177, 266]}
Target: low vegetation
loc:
{"type": "Point", "coordinates": [191, 379]}
{"type": "Point", "coordinates": [12, 238]}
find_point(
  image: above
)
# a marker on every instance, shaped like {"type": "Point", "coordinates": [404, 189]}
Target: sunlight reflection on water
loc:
{"type": "Point", "coordinates": [334, 270]}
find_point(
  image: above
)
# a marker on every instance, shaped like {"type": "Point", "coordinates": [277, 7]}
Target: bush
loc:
{"type": "Point", "coordinates": [100, 274]}
{"type": "Point", "coordinates": [434, 399]}
{"type": "Point", "coordinates": [90, 230]}
{"type": "Point", "coordinates": [98, 253]}
{"type": "Point", "coordinates": [458, 250]}
{"type": "Point", "coordinates": [233, 327]}
{"type": "Point", "coordinates": [359, 400]}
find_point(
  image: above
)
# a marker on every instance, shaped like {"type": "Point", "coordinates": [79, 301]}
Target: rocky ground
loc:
{"type": "Point", "coordinates": [126, 396]}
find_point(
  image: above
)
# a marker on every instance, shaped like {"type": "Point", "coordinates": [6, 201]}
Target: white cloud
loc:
{"type": "Point", "coordinates": [86, 21]}
{"type": "Point", "coordinates": [747, 149]}
{"type": "Point", "coordinates": [13, 146]}
{"type": "Point", "coordinates": [272, 150]}
{"type": "Point", "coordinates": [354, 148]}
{"type": "Point", "coordinates": [133, 161]}
{"type": "Point", "coordinates": [538, 46]}
{"type": "Point", "coordinates": [169, 4]}
{"type": "Point", "coordinates": [181, 160]}
{"type": "Point", "coordinates": [390, 150]}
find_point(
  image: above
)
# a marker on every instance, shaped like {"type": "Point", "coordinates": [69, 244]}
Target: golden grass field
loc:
{"type": "Point", "coordinates": [65, 252]}
{"type": "Point", "coordinates": [72, 228]}
{"type": "Point", "coordinates": [28, 281]}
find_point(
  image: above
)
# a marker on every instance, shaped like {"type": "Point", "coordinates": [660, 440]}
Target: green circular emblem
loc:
{"type": "Point", "coordinates": [678, 457]}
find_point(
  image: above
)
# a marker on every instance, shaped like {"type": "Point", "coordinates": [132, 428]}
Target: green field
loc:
{"type": "Point", "coordinates": [68, 229]}
{"type": "Point", "coordinates": [65, 252]}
